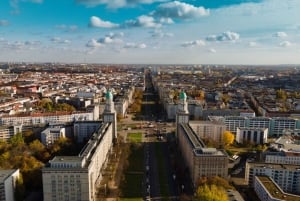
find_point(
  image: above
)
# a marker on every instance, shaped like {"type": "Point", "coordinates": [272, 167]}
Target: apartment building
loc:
{"type": "Point", "coordinates": [212, 130]}
{"type": "Point", "coordinates": [84, 129]}
{"type": "Point", "coordinates": [76, 178]}
{"type": "Point", "coordinates": [44, 118]}
{"type": "Point", "coordinates": [282, 157]}
{"type": "Point", "coordinates": [276, 125]}
{"type": "Point", "coordinates": [267, 190]}
{"type": "Point", "coordinates": [6, 132]}
{"type": "Point", "coordinates": [50, 135]}
{"type": "Point", "coordinates": [200, 160]}
{"type": "Point", "coordinates": [8, 179]}
{"type": "Point", "coordinates": [285, 176]}
{"type": "Point", "coordinates": [252, 135]}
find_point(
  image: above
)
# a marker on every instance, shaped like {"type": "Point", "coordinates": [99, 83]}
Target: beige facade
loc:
{"type": "Point", "coordinates": [201, 161]}
{"type": "Point", "coordinates": [75, 178]}
{"type": "Point", "coordinates": [212, 130]}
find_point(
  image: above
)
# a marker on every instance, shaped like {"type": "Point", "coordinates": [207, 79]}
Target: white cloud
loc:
{"type": "Point", "coordinates": [280, 34]}
{"type": "Point", "coordinates": [115, 35]}
{"type": "Point", "coordinates": [135, 45]}
{"type": "Point", "coordinates": [4, 22]}
{"type": "Point", "coordinates": [157, 33]}
{"type": "Point", "coordinates": [225, 36]}
{"type": "Point", "coordinates": [105, 40]}
{"type": "Point", "coordinates": [143, 21]}
{"type": "Point", "coordinates": [166, 20]}
{"type": "Point", "coordinates": [68, 28]}
{"type": "Point", "coordinates": [97, 22]}
{"type": "Point", "coordinates": [285, 44]}
{"type": "Point", "coordinates": [212, 50]}
{"type": "Point", "coordinates": [180, 10]}
{"type": "Point", "coordinates": [59, 40]}
{"type": "Point", "coordinates": [252, 44]}
{"type": "Point", "coordinates": [93, 43]}
{"type": "Point", "coordinates": [116, 3]}
{"type": "Point", "coordinates": [111, 38]}
{"type": "Point", "coordinates": [193, 43]}
{"type": "Point", "coordinates": [55, 39]}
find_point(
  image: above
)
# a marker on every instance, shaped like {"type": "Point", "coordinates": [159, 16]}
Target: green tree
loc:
{"type": "Point", "coordinates": [16, 140]}
{"type": "Point", "coordinates": [64, 107]}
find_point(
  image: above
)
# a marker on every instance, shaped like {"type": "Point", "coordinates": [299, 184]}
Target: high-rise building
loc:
{"type": "Point", "coordinates": [200, 160]}
{"type": "Point", "coordinates": [75, 178]}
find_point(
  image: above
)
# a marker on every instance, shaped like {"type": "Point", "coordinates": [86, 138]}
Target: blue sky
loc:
{"type": "Point", "coordinates": [150, 31]}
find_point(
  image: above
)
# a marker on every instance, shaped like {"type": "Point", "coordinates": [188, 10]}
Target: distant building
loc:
{"type": "Point", "coordinates": [8, 179]}
{"type": "Point", "coordinates": [286, 143]}
{"type": "Point", "coordinates": [50, 135]}
{"type": "Point", "coordinates": [6, 132]}
{"type": "Point", "coordinates": [276, 125]}
{"type": "Point", "coordinates": [282, 157]}
{"type": "Point", "coordinates": [252, 135]}
{"type": "Point", "coordinates": [45, 118]}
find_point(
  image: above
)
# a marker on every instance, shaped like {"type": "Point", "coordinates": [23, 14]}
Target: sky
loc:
{"type": "Point", "coordinates": [150, 31]}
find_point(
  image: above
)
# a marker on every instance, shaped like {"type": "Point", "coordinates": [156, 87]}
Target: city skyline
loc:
{"type": "Point", "coordinates": [150, 31]}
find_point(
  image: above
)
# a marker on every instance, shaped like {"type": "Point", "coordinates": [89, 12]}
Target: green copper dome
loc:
{"type": "Point", "coordinates": [182, 96]}
{"type": "Point", "coordinates": [109, 95]}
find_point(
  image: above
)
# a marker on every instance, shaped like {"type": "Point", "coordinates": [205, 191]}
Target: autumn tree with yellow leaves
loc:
{"type": "Point", "coordinates": [228, 138]}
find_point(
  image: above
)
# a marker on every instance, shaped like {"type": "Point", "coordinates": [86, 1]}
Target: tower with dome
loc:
{"type": "Point", "coordinates": [109, 114]}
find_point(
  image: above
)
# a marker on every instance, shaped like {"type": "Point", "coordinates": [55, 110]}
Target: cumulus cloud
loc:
{"type": "Point", "coordinates": [212, 50]}
{"type": "Point", "coordinates": [111, 38]}
{"type": "Point", "coordinates": [166, 20]}
{"type": "Point", "coordinates": [135, 45]}
{"type": "Point", "coordinates": [4, 22]}
{"type": "Point", "coordinates": [21, 45]}
{"type": "Point", "coordinates": [59, 40]}
{"type": "Point", "coordinates": [68, 28]}
{"type": "Point", "coordinates": [193, 43]}
{"type": "Point", "coordinates": [93, 43]}
{"type": "Point", "coordinates": [225, 36]}
{"type": "Point", "coordinates": [143, 21]}
{"type": "Point", "coordinates": [285, 44]}
{"type": "Point", "coordinates": [157, 33]}
{"type": "Point", "coordinates": [252, 44]}
{"type": "Point", "coordinates": [280, 34]}
{"type": "Point", "coordinates": [116, 3]}
{"type": "Point", "coordinates": [98, 22]}
{"type": "Point", "coordinates": [180, 10]}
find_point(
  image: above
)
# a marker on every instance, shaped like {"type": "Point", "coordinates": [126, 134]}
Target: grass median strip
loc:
{"type": "Point", "coordinates": [134, 137]}
{"type": "Point", "coordinates": [131, 186]}
{"type": "Point", "coordinates": [163, 177]}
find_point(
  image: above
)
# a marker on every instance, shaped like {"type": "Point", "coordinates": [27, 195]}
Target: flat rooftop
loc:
{"type": "Point", "coordinates": [275, 191]}
{"type": "Point", "coordinates": [274, 166]}
{"type": "Point", "coordinates": [5, 173]}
